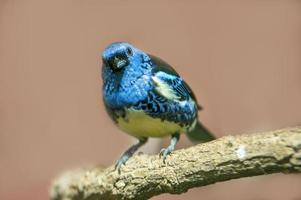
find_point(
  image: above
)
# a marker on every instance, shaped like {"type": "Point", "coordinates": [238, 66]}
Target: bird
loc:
{"type": "Point", "coordinates": [145, 97]}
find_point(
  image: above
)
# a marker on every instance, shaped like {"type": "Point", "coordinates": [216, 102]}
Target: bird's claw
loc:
{"type": "Point", "coordinates": [164, 153]}
{"type": "Point", "coordinates": [121, 162]}
{"type": "Point", "coordinates": [128, 154]}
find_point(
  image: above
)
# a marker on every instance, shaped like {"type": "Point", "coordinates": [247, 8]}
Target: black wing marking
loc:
{"type": "Point", "coordinates": [178, 85]}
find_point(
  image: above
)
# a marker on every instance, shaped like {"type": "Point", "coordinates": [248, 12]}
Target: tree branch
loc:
{"type": "Point", "coordinates": [226, 158]}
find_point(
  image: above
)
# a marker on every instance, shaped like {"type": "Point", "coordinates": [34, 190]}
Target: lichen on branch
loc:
{"type": "Point", "coordinates": [226, 158]}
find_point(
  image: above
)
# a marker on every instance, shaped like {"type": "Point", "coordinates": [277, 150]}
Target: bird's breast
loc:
{"type": "Point", "coordinates": [128, 92]}
{"type": "Point", "coordinates": [139, 124]}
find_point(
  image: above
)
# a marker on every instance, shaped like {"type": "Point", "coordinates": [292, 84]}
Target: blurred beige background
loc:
{"type": "Point", "coordinates": [242, 59]}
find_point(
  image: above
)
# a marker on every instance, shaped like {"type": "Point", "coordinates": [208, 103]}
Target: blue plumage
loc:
{"type": "Point", "coordinates": [147, 98]}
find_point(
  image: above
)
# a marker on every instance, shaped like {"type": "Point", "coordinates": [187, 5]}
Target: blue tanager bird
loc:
{"type": "Point", "coordinates": [146, 97]}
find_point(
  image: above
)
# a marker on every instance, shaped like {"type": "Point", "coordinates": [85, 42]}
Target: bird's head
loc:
{"type": "Point", "coordinates": [126, 73]}
{"type": "Point", "coordinates": [119, 55]}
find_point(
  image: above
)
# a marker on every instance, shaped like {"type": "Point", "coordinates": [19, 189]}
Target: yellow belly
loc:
{"type": "Point", "coordinates": [138, 124]}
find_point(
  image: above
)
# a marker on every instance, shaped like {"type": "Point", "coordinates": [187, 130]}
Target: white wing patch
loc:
{"type": "Point", "coordinates": [164, 88]}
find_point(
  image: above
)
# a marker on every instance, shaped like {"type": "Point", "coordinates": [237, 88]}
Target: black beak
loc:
{"type": "Point", "coordinates": [117, 63]}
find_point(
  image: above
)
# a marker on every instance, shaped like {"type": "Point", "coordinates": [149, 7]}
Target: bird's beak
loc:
{"type": "Point", "coordinates": [119, 63]}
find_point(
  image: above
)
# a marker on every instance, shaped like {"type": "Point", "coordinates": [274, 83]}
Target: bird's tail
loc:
{"type": "Point", "coordinates": [200, 134]}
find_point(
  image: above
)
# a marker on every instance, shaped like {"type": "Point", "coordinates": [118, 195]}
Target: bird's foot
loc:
{"type": "Point", "coordinates": [121, 161]}
{"type": "Point", "coordinates": [128, 154]}
{"type": "Point", "coordinates": [165, 152]}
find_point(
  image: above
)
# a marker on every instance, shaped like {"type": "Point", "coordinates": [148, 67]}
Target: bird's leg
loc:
{"type": "Point", "coordinates": [129, 153]}
{"type": "Point", "coordinates": [166, 151]}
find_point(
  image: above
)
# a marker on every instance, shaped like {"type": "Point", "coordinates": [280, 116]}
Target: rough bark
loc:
{"type": "Point", "coordinates": [226, 158]}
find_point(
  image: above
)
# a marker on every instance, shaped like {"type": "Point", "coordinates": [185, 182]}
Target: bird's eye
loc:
{"type": "Point", "coordinates": [129, 51]}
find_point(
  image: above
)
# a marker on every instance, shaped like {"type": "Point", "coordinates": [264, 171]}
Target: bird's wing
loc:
{"type": "Point", "coordinates": [168, 82]}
